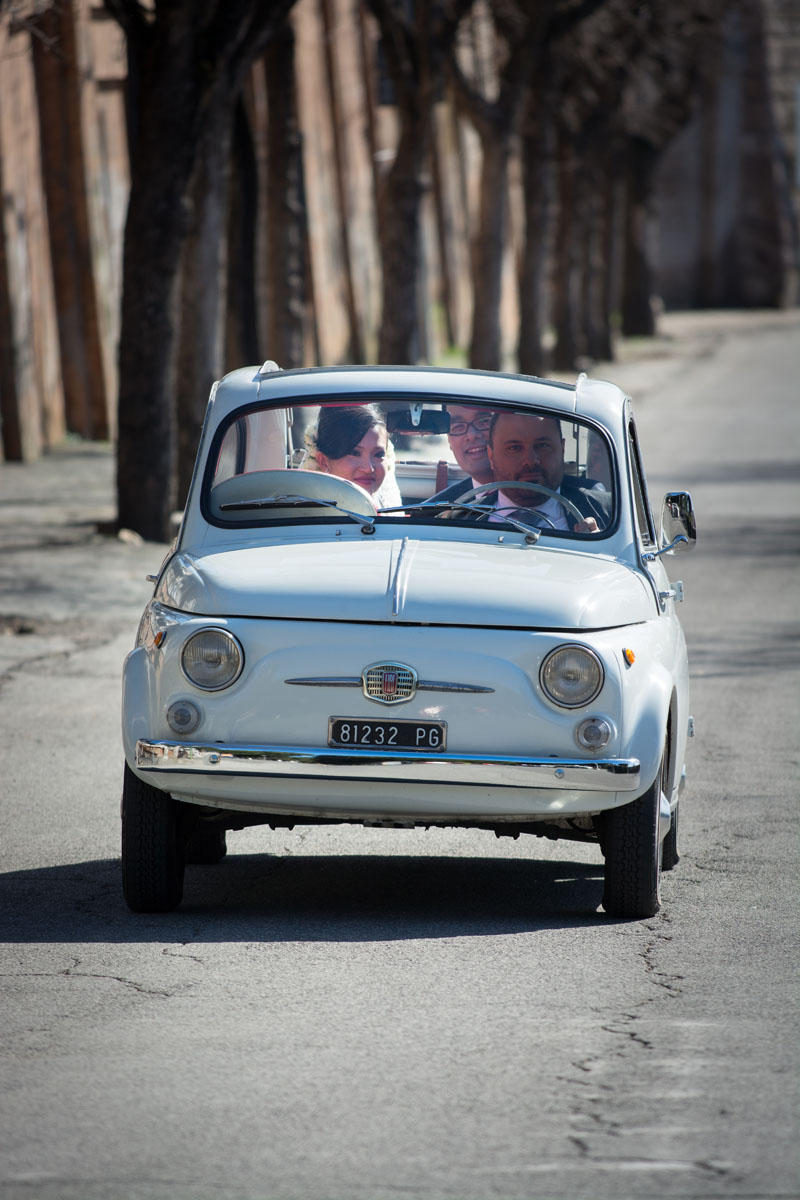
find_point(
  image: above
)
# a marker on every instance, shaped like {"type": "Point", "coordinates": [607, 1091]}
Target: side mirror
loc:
{"type": "Point", "coordinates": [678, 528]}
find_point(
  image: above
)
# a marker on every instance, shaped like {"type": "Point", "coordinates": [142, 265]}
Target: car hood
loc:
{"type": "Point", "coordinates": [413, 582]}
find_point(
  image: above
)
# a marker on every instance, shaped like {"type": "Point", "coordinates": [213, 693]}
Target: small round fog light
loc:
{"type": "Point", "coordinates": [593, 734]}
{"type": "Point", "coordinates": [183, 716]}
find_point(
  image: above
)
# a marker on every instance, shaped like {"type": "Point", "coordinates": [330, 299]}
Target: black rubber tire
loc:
{"type": "Point", "coordinates": [153, 847]}
{"type": "Point", "coordinates": [207, 844]}
{"type": "Point", "coordinates": [669, 847]}
{"type": "Point", "coordinates": [632, 852]}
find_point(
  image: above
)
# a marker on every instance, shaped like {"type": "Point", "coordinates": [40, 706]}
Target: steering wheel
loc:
{"type": "Point", "coordinates": [499, 484]}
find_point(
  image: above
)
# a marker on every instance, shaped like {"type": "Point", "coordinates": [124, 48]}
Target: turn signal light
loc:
{"type": "Point", "coordinates": [183, 716]}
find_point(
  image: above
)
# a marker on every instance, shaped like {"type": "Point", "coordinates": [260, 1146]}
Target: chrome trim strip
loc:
{"type": "Point", "coordinates": [435, 685]}
{"type": "Point", "coordinates": [500, 770]}
{"type": "Point", "coordinates": [327, 681]}
{"type": "Point", "coordinates": [424, 685]}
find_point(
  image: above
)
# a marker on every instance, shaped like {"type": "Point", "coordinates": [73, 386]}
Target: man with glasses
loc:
{"type": "Point", "coordinates": [469, 439]}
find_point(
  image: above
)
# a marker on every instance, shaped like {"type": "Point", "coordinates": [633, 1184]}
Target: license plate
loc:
{"type": "Point", "coordinates": [387, 735]}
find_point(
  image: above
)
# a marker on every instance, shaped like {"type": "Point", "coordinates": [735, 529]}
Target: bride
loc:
{"type": "Point", "coordinates": [352, 442]}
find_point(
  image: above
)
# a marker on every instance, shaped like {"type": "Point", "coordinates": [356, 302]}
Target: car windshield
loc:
{"type": "Point", "coordinates": [389, 460]}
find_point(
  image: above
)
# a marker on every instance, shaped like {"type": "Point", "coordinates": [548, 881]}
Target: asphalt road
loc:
{"type": "Point", "coordinates": [341, 1014]}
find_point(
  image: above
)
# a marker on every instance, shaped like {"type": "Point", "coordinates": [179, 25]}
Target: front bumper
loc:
{"type": "Point", "coordinates": [380, 766]}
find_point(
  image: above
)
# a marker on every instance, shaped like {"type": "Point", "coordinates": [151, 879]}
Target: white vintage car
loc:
{"type": "Point", "coordinates": [412, 597]}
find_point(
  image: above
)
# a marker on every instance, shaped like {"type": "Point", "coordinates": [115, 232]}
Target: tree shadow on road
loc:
{"type": "Point", "coordinates": [312, 898]}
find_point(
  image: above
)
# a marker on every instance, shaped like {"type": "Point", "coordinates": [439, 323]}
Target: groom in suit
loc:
{"type": "Point", "coordinates": [529, 447]}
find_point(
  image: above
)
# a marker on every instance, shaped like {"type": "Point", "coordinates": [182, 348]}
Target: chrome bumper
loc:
{"type": "Point", "coordinates": [480, 770]}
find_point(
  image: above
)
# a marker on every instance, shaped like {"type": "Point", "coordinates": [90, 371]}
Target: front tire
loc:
{"type": "Point", "coordinates": [153, 847]}
{"type": "Point", "coordinates": [632, 849]}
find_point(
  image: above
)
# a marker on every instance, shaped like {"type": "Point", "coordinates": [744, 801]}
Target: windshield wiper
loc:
{"type": "Point", "coordinates": [532, 533]}
{"type": "Point", "coordinates": [435, 506]}
{"type": "Point", "coordinates": [293, 501]}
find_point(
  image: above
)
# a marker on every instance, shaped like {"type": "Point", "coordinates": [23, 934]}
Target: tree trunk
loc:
{"type": "Point", "coordinates": [567, 294]}
{"type": "Point", "coordinates": [154, 234]}
{"type": "Point", "coordinates": [11, 424]}
{"type": "Point", "coordinates": [413, 51]}
{"type": "Point", "coordinates": [485, 351]}
{"type": "Point", "coordinates": [285, 214]}
{"type": "Point", "coordinates": [203, 289]}
{"type": "Point", "coordinates": [399, 234]}
{"type": "Point", "coordinates": [443, 233]}
{"type": "Point", "coordinates": [705, 290]}
{"type": "Point", "coordinates": [189, 60]}
{"type": "Point", "coordinates": [355, 344]}
{"type": "Point", "coordinates": [637, 310]}
{"type": "Point", "coordinates": [541, 207]}
{"type": "Point", "coordinates": [243, 342]}
{"type": "Point", "coordinates": [596, 266]}
{"type": "Point", "coordinates": [497, 123]}
{"type": "Point", "coordinates": [64, 177]}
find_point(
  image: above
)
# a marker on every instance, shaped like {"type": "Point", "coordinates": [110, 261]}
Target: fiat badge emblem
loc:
{"type": "Point", "coordinates": [389, 682]}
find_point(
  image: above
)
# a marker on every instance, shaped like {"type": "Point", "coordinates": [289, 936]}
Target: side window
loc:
{"type": "Point", "coordinates": [232, 452]}
{"type": "Point", "coordinates": [255, 442]}
{"type": "Point", "coordinates": [644, 519]}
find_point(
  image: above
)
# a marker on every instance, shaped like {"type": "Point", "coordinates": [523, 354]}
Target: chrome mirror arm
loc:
{"type": "Point", "coordinates": [652, 555]}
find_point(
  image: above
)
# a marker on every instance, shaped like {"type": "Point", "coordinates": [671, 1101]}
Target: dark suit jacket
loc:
{"type": "Point", "coordinates": [455, 489]}
{"type": "Point", "coordinates": [589, 503]}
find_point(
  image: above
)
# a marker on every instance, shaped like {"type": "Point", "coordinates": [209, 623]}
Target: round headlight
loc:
{"type": "Point", "coordinates": [212, 659]}
{"type": "Point", "coordinates": [571, 676]}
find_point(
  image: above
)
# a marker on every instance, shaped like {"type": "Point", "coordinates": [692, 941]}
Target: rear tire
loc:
{"type": "Point", "coordinates": [632, 852]}
{"type": "Point", "coordinates": [153, 847]}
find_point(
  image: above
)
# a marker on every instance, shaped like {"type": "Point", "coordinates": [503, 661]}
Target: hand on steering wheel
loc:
{"type": "Point", "coordinates": [540, 488]}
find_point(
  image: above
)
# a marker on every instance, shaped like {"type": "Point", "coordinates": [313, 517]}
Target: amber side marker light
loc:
{"type": "Point", "coordinates": [629, 656]}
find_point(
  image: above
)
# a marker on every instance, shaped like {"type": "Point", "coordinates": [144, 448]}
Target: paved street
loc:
{"type": "Point", "coordinates": [347, 1014]}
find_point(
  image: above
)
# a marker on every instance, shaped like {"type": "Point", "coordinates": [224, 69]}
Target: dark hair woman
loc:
{"type": "Point", "coordinates": [351, 443]}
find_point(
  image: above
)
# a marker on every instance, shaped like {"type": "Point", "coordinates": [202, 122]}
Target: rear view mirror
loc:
{"type": "Point", "coordinates": [413, 422]}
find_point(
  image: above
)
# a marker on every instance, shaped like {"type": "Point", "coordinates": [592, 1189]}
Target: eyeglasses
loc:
{"type": "Point", "coordinates": [480, 425]}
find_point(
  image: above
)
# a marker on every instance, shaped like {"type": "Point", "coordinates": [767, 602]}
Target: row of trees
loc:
{"type": "Point", "coordinates": [587, 94]}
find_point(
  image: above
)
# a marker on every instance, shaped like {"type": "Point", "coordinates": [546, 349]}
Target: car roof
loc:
{"type": "Point", "coordinates": [268, 384]}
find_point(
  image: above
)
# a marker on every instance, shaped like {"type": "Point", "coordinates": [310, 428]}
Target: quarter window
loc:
{"type": "Point", "coordinates": [644, 519]}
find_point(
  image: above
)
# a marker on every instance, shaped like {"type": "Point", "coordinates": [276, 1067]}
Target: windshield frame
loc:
{"type": "Point", "coordinates": [416, 509]}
